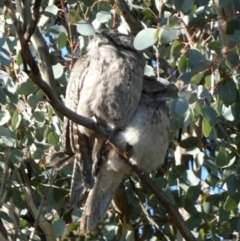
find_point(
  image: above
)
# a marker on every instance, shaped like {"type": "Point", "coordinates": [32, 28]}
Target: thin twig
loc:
{"type": "Point", "coordinates": [35, 18]}
{"type": "Point", "coordinates": [133, 23]}
{"type": "Point", "coordinates": [39, 212]}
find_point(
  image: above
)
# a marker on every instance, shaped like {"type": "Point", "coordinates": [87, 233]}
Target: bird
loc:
{"type": "Point", "coordinates": [148, 134]}
{"type": "Point", "coordinates": [105, 84]}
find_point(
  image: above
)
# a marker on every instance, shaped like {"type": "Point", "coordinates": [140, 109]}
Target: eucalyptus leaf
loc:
{"type": "Point", "coordinates": [85, 28]}
{"type": "Point", "coordinates": [27, 88]}
{"type": "Point", "coordinates": [59, 226]}
{"type": "Point", "coordinates": [181, 105]}
{"type": "Point", "coordinates": [3, 99]}
{"type": "Point", "coordinates": [4, 117]}
{"type": "Point", "coordinates": [5, 58]}
{"type": "Point", "coordinates": [53, 138]}
{"type": "Point", "coordinates": [167, 35]}
{"type": "Point", "coordinates": [228, 91]}
{"type": "Point", "coordinates": [230, 204]}
{"type": "Point", "coordinates": [195, 56]}
{"type": "Point", "coordinates": [5, 217]}
{"type": "Point", "coordinates": [103, 17]}
{"type": "Point", "coordinates": [2, 38]}
{"type": "Point", "coordinates": [51, 10]}
{"type": "Point", "coordinates": [145, 38]}
{"type": "Point", "coordinates": [16, 156]}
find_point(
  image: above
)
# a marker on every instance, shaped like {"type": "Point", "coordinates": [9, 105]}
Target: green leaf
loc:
{"type": "Point", "coordinates": [190, 178]}
{"type": "Point", "coordinates": [51, 10]}
{"type": "Point", "coordinates": [189, 142]}
{"type": "Point", "coordinates": [183, 5]}
{"type": "Point", "coordinates": [57, 29]}
{"type": "Point", "coordinates": [193, 192]}
{"type": "Point", "coordinates": [206, 128]}
{"type": "Point", "coordinates": [27, 88]}
{"type": "Point", "coordinates": [161, 182]}
{"type": "Point", "coordinates": [181, 105]}
{"type": "Point", "coordinates": [76, 216]}
{"type": "Point", "coordinates": [18, 199]}
{"type": "Point", "coordinates": [58, 71]}
{"type": "Point", "coordinates": [61, 40]}
{"type": "Point", "coordinates": [172, 21]}
{"type": "Point", "coordinates": [4, 117]}
{"type": "Point", "coordinates": [3, 99]}
{"type": "Point", "coordinates": [183, 65]}
{"type": "Point", "coordinates": [228, 112]}
{"type": "Point", "coordinates": [38, 153]}
{"type": "Point", "coordinates": [33, 100]}
{"type": "Point", "coordinates": [39, 117]}
{"type": "Point", "coordinates": [232, 184]}
{"type": "Point", "coordinates": [145, 38]}
{"type": "Point", "coordinates": [232, 26]}
{"type": "Point", "coordinates": [5, 58]}
{"type": "Point", "coordinates": [195, 56]}
{"type": "Point", "coordinates": [53, 138]}
{"type": "Point", "coordinates": [233, 57]}
{"type": "Point", "coordinates": [5, 217]}
{"type": "Point", "coordinates": [7, 138]}
{"type": "Point", "coordinates": [149, 70]}
{"type": "Point", "coordinates": [196, 79]}
{"type": "Point", "coordinates": [230, 204]}
{"type": "Point", "coordinates": [203, 65]}
{"type": "Point", "coordinates": [168, 35]}
{"type": "Point", "coordinates": [19, 59]}
{"type": "Point", "coordinates": [186, 77]}
{"type": "Point", "coordinates": [175, 51]}
{"type": "Point", "coordinates": [16, 119]}
{"type": "Point", "coordinates": [209, 114]}
{"type": "Point", "coordinates": [228, 91]}
{"type": "Point", "coordinates": [203, 93]}
{"type": "Point", "coordinates": [85, 28]}
{"type": "Point", "coordinates": [59, 227]}
{"type": "Point", "coordinates": [103, 17]}
{"type": "Point", "coordinates": [222, 157]}
{"type": "Point", "coordinates": [7, 82]}
{"type": "Point", "coordinates": [2, 38]}
{"type": "Point", "coordinates": [215, 45]}
{"type": "Point", "coordinates": [16, 156]}
{"type": "Point", "coordinates": [73, 16]}
{"type": "Point", "coordinates": [234, 39]}
{"type": "Point", "coordinates": [193, 222]}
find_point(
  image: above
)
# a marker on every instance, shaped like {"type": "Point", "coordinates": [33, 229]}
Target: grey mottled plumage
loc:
{"type": "Point", "coordinates": [147, 132]}
{"type": "Point", "coordinates": [104, 84]}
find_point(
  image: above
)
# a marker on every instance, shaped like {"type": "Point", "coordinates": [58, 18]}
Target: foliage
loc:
{"type": "Point", "coordinates": [191, 51]}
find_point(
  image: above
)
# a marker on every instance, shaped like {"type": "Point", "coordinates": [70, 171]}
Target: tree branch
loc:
{"type": "Point", "coordinates": [133, 23]}
{"type": "Point", "coordinates": [35, 75]}
{"type": "Point", "coordinates": [38, 42]}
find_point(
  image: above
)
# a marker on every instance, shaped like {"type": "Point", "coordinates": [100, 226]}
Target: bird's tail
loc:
{"type": "Point", "coordinates": [78, 191]}
{"type": "Point", "coordinates": [100, 197]}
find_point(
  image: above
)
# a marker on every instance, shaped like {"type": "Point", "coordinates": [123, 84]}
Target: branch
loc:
{"type": "Point", "coordinates": [38, 42]}
{"type": "Point", "coordinates": [35, 75]}
{"type": "Point", "coordinates": [133, 23]}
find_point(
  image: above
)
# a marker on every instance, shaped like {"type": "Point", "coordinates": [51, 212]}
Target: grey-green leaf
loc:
{"type": "Point", "coordinates": [59, 227]}
{"type": "Point", "coordinates": [145, 38]}
{"type": "Point", "coordinates": [103, 17]}
{"type": "Point", "coordinates": [85, 28]}
{"type": "Point", "coordinates": [181, 105]}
